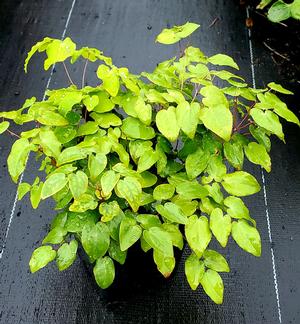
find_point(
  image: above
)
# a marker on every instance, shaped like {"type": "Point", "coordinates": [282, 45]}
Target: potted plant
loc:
{"type": "Point", "coordinates": [154, 160]}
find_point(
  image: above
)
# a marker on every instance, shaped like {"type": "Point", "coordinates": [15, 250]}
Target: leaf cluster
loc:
{"type": "Point", "coordinates": [155, 158]}
{"type": "Point", "coordinates": [279, 10]}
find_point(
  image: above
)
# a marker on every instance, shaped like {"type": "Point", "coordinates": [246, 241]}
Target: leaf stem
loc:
{"type": "Point", "coordinates": [12, 133]}
{"type": "Point", "coordinates": [197, 88]}
{"type": "Point", "coordinates": [67, 73]}
{"type": "Point", "coordinates": [84, 73]}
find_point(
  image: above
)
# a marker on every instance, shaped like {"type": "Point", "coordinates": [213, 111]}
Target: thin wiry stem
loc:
{"type": "Point", "coordinates": [67, 73]}
{"type": "Point", "coordinates": [84, 73]}
{"type": "Point", "coordinates": [12, 133]}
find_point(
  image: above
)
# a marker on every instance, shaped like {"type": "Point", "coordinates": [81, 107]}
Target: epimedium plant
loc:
{"type": "Point", "coordinates": [156, 158]}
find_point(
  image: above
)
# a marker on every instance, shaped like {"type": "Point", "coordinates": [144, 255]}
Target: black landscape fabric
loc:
{"type": "Point", "coordinates": [126, 30]}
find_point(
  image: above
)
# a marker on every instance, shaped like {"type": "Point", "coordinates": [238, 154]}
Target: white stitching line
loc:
{"type": "Point", "coordinates": [22, 175]}
{"type": "Point", "coordinates": [264, 186]}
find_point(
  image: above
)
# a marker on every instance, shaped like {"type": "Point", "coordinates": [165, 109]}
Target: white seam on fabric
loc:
{"type": "Point", "coordinates": [22, 175]}
{"type": "Point", "coordinates": [264, 185]}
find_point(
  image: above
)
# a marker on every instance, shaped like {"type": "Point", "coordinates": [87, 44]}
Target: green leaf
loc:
{"type": "Point", "coordinates": [106, 120]}
{"type": "Point", "coordinates": [279, 11]}
{"type": "Point", "coordinates": [220, 226]}
{"type": "Point", "coordinates": [234, 153]}
{"type": "Point", "coordinates": [295, 9]}
{"type": "Point", "coordinates": [213, 285]}
{"type": "Point", "coordinates": [240, 183]}
{"type": "Point", "coordinates": [237, 209]}
{"type": "Point", "coordinates": [78, 183]}
{"type": "Point", "coordinates": [87, 128]}
{"type": "Point", "coordinates": [165, 264]}
{"type": "Point", "coordinates": [41, 257]}
{"type": "Point", "coordinates": [71, 154]}
{"type": "Point", "coordinates": [159, 240]}
{"type": "Point", "coordinates": [194, 270]}
{"type": "Point", "coordinates": [246, 237]}
{"type": "Point", "coordinates": [216, 168]}
{"type": "Point", "coordinates": [134, 128]}
{"type": "Point", "coordinates": [224, 60]}
{"type": "Point", "coordinates": [65, 134]}
{"type": "Point", "coordinates": [163, 192]}
{"type": "Point", "coordinates": [198, 234]}
{"type": "Point", "coordinates": [105, 104]}
{"type": "Point", "coordinates": [104, 272]}
{"type": "Point", "coordinates": [196, 163]}
{"type": "Point", "coordinates": [59, 51]}
{"type": "Point", "coordinates": [263, 4]}
{"type": "Point", "coordinates": [143, 111]}
{"type": "Point", "coordinates": [59, 220]}
{"type": "Point", "coordinates": [172, 212]}
{"type": "Point", "coordinates": [287, 114]}
{"type": "Point", "coordinates": [260, 135]}
{"type": "Point", "coordinates": [257, 154]}
{"type": "Point", "coordinates": [96, 165]}
{"type": "Point", "coordinates": [267, 120]}
{"type": "Point", "coordinates": [76, 221]}
{"type": "Point", "coordinates": [67, 101]}
{"type": "Point", "coordinates": [187, 206]}
{"type": "Point", "coordinates": [83, 203]}
{"type": "Point", "coordinates": [110, 79]}
{"type": "Point", "coordinates": [175, 233]}
{"type": "Point", "coordinates": [51, 118]}
{"type": "Point", "coordinates": [108, 181]}
{"type": "Point", "coordinates": [90, 102]}
{"type": "Point", "coordinates": [213, 97]}
{"type": "Point", "coordinates": [129, 233]}
{"type": "Point", "coordinates": [148, 220]}
{"type": "Point", "coordinates": [53, 184]}
{"type": "Point", "coordinates": [218, 119]}
{"type": "Point", "coordinates": [167, 124]}
{"type": "Point", "coordinates": [109, 210]}
{"type": "Point", "coordinates": [95, 240]}
{"type": "Point", "coordinates": [3, 126]}
{"type": "Point", "coordinates": [175, 34]}
{"type": "Point", "coordinates": [55, 236]}
{"type": "Point", "coordinates": [35, 195]}
{"type": "Point", "coordinates": [66, 255]}
{"type": "Point", "coordinates": [277, 87]}
{"type": "Point", "coordinates": [191, 190]}
{"type": "Point", "coordinates": [23, 188]}
{"type": "Point", "coordinates": [187, 116]}
{"type": "Point", "coordinates": [115, 252]}
{"type": "Point", "coordinates": [147, 160]}
{"type": "Point", "coordinates": [40, 46]}
{"type": "Point", "coordinates": [130, 189]}
{"type": "Point", "coordinates": [49, 142]}
{"type": "Point", "coordinates": [17, 158]}
{"type": "Point", "coordinates": [215, 261]}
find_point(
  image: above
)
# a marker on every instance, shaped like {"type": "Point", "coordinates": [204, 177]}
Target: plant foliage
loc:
{"type": "Point", "coordinates": [155, 158]}
{"type": "Point", "coordinates": [280, 10]}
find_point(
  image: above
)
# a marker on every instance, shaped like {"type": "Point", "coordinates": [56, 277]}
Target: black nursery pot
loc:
{"type": "Point", "coordinates": [139, 274]}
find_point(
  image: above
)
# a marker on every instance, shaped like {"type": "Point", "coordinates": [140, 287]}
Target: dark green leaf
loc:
{"type": "Point", "coordinates": [95, 240]}
{"type": "Point", "coordinates": [104, 272]}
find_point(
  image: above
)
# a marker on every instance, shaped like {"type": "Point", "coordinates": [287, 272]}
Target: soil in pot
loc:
{"type": "Point", "coordinates": [138, 276]}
